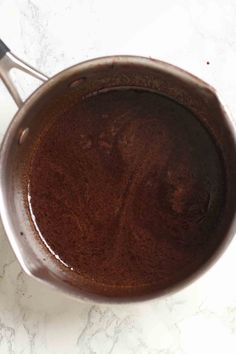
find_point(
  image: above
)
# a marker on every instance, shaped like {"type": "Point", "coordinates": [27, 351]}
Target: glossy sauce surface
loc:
{"type": "Point", "coordinates": [127, 189]}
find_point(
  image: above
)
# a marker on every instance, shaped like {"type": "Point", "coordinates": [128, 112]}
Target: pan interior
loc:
{"type": "Point", "coordinates": [126, 189]}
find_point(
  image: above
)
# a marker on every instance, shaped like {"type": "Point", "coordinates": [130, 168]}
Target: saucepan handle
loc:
{"type": "Point", "coordinates": [9, 61]}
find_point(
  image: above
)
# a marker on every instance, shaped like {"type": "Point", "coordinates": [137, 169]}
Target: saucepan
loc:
{"type": "Point", "coordinates": [55, 95]}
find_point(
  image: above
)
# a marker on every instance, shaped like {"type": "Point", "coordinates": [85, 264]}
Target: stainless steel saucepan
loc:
{"type": "Point", "coordinates": [56, 95]}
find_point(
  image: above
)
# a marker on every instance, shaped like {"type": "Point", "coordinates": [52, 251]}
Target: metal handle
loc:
{"type": "Point", "coordinates": [9, 61]}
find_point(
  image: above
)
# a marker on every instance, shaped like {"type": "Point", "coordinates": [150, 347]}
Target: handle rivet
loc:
{"type": "Point", "coordinates": [77, 82]}
{"type": "Point", "coordinates": [23, 135]}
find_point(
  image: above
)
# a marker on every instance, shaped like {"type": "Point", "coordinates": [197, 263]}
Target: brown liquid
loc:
{"type": "Point", "coordinates": [127, 189]}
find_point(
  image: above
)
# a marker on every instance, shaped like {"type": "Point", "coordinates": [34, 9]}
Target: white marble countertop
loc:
{"type": "Point", "coordinates": [52, 35]}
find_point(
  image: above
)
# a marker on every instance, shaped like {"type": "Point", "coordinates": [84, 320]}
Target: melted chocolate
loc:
{"type": "Point", "coordinates": [127, 189]}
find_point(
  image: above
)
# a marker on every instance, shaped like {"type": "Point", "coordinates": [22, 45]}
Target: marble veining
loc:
{"type": "Point", "coordinates": [51, 36]}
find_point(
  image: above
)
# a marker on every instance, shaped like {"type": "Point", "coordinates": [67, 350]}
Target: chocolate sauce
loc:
{"type": "Point", "coordinates": [127, 189]}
